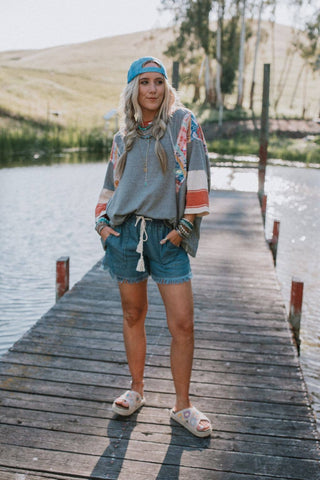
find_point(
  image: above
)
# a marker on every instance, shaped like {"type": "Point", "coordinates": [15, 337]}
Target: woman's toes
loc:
{"type": "Point", "coordinates": [203, 425]}
{"type": "Point", "coordinates": [122, 403]}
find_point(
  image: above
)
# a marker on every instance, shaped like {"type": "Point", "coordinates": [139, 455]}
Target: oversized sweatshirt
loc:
{"type": "Point", "coordinates": [145, 190]}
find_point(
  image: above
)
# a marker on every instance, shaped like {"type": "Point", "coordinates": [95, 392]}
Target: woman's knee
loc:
{"type": "Point", "coordinates": [132, 316]}
{"type": "Point", "coordinates": [134, 301]}
{"type": "Point", "coordinates": [182, 328]}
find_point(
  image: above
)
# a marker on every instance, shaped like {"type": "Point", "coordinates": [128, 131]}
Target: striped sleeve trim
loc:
{"type": "Point", "coordinates": [199, 211]}
{"type": "Point", "coordinates": [197, 197]}
{"type": "Point", "coordinates": [104, 197]}
{"type": "Point", "coordinates": [197, 202]}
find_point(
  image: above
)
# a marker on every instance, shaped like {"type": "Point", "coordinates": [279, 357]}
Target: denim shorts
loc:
{"type": "Point", "coordinates": [166, 263]}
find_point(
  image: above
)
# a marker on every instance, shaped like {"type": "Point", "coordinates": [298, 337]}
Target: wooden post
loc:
{"type": "Point", "coordinates": [62, 276]}
{"type": "Point", "coordinates": [264, 208]}
{"type": "Point", "coordinates": [273, 243]}
{"type": "Point", "coordinates": [296, 309]}
{"type": "Point", "coordinates": [175, 75]}
{"type": "Point", "coordinates": [264, 130]}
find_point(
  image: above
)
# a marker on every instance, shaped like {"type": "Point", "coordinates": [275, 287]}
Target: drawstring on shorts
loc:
{"type": "Point", "coordinates": [143, 238]}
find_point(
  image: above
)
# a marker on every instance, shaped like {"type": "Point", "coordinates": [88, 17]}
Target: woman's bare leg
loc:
{"type": "Point", "coordinates": [178, 301]}
{"type": "Point", "coordinates": [135, 306]}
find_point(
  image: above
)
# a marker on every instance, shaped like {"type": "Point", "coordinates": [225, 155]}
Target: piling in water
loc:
{"type": "Point", "coordinates": [273, 242]}
{"type": "Point", "coordinates": [62, 276]}
{"type": "Point", "coordinates": [296, 309]}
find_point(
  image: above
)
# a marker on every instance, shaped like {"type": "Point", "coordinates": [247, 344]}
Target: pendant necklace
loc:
{"type": "Point", "coordinates": [144, 135]}
{"type": "Point", "coordinates": [145, 166]}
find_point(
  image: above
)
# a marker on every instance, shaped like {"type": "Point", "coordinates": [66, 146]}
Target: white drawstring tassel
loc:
{"type": "Point", "coordinates": [140, 265]}
{"type": "Point", "coordinates": [143, 238]}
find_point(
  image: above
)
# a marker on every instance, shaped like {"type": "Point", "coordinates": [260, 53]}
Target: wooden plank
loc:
{"type": "Point", "coordinates": [22, 474]}
{"type": "Point", "coordinates": [204, 336]}
{"type": "Point", "coordinates": [109, 458]}
{"type": "Point", "coordinates": [165, 473]}
{"type": "Point", "coordinates": [152, 368]}
{"type": "Point", "coordinates": [98, 322]}
{"type": "Point", "coordinates": [85, 407]}
{"type": "Point", "coordinates": [117, 352]}
{"type": "Point", "coordinates": [152, 417]}
{"type": "Point", "coordinates": [88, 442]}
{"type": "Point", "coordinates": [255, 345]}
{"type": "Point", "coordinates": [163, 375]}
{"type": "Point", "coordinates": [115, 325]}
{"type": "Point", "coordinates": [116, 385]}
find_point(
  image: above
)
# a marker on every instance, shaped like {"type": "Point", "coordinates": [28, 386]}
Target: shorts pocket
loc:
{"type": "Point", "coordinates": [107, 241]}
{"type": "Point", "coordinates": [172, 245]}
{"type": "Point", "coordinates": [169, 252]}
{"type": "Point", "coordinates": [104, 243]}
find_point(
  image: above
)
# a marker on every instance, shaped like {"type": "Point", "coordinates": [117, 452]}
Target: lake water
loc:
{"type": "Point", "coordinates": [47, 212]}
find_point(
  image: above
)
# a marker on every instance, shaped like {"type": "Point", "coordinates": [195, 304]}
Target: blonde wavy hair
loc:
{"type": "Point", "coordinates": [132, 116]}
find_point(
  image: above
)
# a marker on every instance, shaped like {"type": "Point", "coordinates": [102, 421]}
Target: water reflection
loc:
{"type": "Point", "coordinates": [294, 199]}
{"type": "Point", "coordinates": [71, 155]}
{"type": "Point", "coordinates": [229, 178]}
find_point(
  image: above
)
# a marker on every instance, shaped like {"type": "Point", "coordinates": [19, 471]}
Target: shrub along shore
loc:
{"type": "Point", "coordinates": [28, 142]}
{"type": "Point", "coordinates": [20, 145]}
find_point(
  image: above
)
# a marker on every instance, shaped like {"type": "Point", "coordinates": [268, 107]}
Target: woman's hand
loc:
{"type": "Point", "coordinates": [172, 237]}
{"type": "Point", "coordinates": [106, 231]}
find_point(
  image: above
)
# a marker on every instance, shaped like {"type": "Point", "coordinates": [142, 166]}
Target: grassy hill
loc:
{"type": "Point", "coordinates": [83, 81]}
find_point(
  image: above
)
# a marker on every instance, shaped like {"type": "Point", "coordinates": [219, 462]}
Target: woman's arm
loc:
{"type": "Point", "coordinates": [102, 220]}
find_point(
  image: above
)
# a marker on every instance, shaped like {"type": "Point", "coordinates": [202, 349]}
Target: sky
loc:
{"type": "Point", "coordinates": [32, 24]}
{"type": "Point", "coordinates": [44, 23]}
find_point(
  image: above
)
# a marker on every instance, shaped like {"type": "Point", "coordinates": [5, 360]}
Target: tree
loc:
{"type": "Point", "coordinates": [298, 45]}
{"type": "Point", "coordinates": [195, 39]}
{"type": "Point", "coordinates": [230, 48]}
{"type": "Point", "coordinates": [221, 6]}
{"type": "Point", "coordinates": [284, 75]}
{"type": "Point", "coordinates": [256, 49]}
{"type": "Point", "coordinates": [194, 35]}
{"type": "Point", "coordinates": [194, 30]}
{"type": "Point", "coordinates": [309, 49]}
{"type": "Point", "coordinates": [241, 55]}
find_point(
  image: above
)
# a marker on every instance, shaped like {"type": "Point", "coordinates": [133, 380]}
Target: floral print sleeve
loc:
{"type": "Point", "coordinates": [192, 166]}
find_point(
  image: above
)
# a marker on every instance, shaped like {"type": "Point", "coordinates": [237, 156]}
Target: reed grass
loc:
{"type": "Point", "coordinates": [26, 141]}
{"type": "Point", "coordinates": [290, 149]}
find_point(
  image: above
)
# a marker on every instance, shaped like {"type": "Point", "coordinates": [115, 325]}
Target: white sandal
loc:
{"type": "Point", "coordinates": [134, 401]}
{"type": "Point", "coordinates": [190, 418]}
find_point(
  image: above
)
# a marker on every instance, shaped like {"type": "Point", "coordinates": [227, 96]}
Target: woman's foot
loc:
{"type": "Point", "coordinates": [193, 420]}
{"type": "Point", "coordinates": [128, 403]}
{"type": "Point", "coordinates": [122, 401]}
{"type": "Point", "coordinates": [203, 426]}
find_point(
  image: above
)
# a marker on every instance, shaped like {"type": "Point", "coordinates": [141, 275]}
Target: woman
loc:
{"type": "Point", "coordinates": [148, 216]}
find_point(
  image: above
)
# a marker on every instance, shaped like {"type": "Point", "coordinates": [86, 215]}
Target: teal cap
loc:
{"type": "Point", "coordinates": [137, 67]}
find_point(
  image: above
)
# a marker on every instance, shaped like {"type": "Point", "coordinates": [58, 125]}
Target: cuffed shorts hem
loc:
{"type": "Point", "coordinates": [141, 278]}
{"type": "Point", "coordinates": [172, 281]}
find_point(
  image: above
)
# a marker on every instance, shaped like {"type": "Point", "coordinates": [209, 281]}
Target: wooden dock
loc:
{"type": "Point", "coordinates": [59, 380]}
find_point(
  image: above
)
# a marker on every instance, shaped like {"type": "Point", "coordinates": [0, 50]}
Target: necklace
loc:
{"type": "Point", "coordinates": [143, 131]}
{"type": "Point", "coordinates": [145, 166]}
{"type": "Point", "coordinates": [145, 125]}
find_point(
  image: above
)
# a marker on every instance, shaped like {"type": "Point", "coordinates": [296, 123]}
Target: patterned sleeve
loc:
{"type": "Point", "coordinates": [108, 186]}
{"type": "Point", "coordinates": [198, 177]}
